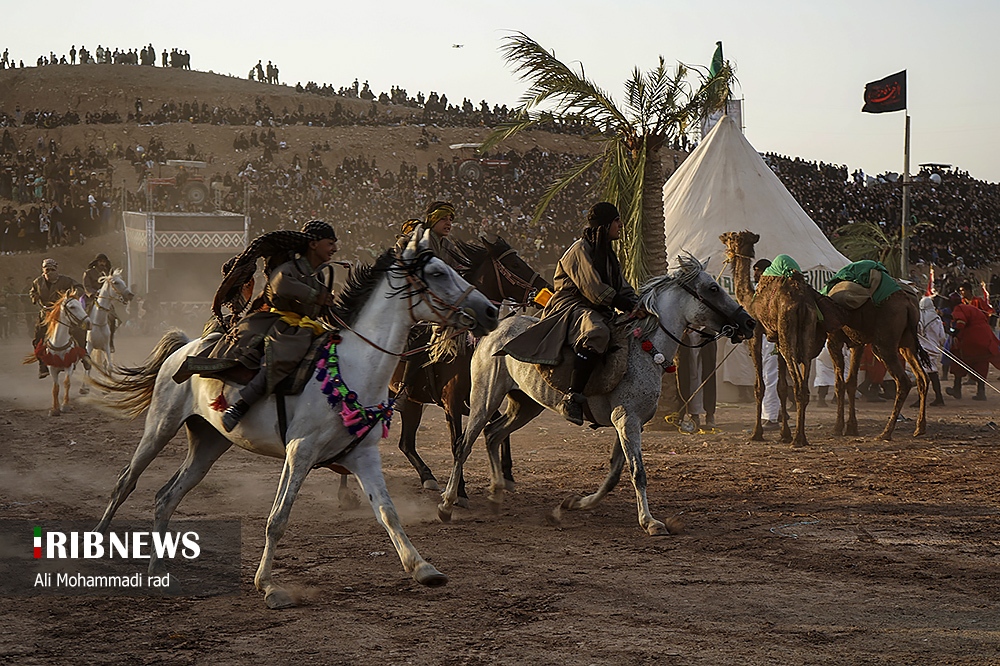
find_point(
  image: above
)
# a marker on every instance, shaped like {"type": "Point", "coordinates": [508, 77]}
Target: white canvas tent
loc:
{"type": "Point", "coordinates": [724, 185]}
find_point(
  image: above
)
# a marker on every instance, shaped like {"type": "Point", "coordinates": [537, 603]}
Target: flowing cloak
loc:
{"type": "Point", "coordinates": [931, 332]}
{"type": "Point", "coordinates": [975, 343]}
{"type": "Point", "coordinates": [275, 338]}
{"type": "Point", "coordinates": [861, 272]}
{"type": "Point", "coordinates": [580, 295]}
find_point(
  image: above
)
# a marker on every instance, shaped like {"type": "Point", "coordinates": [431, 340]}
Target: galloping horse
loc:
{"type": "Point", "coordinates": [58, 349]}
{"type": "Point", "coordinates": [99, 335]}
{"type": "Point", "coordinates": [501, 275]}
{"type": "Point", "coordinates": [687, 297]}
{"type": "Point", "coordinates": [376, 310]}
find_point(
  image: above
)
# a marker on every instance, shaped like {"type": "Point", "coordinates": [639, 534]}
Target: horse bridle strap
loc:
{"type": "Point", "coordinates": [513, 278]}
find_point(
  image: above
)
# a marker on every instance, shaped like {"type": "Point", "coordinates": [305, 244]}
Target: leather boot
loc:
{"type": "Point", "coordinates": [572, 403]}
{"type": "Point", "coordinates": [233, 414]}
{"type": "Point", "coordinates": [956, 390]}
{"type": "Point", "coordinates": [936, 385]}
{"type": "Point", "coordinates": [43, 370]}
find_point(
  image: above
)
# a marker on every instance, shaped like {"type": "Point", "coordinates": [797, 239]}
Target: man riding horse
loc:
{"type": "Point", "coordinates": [589, 287]}
{"type": "Point", "coordinates": [439, 218]}
{"type": "Point", "coordinates": [96, 269]}
{"type": "Point", "coordinates": [45, 291]}
{"type": "Point", "coordinates": [274, 341]}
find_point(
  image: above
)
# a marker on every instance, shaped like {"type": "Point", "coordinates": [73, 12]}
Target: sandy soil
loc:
{"type": "Point", "coordinates": [853, 551]}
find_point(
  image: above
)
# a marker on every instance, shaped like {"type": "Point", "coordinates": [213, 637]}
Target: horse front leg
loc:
{"type": "Point", "coordinates": [293, 473]}
{"type": "Point", "coordinates": [577, 503]}
{"type": "Point", "coordinates": [410, 414]}
{"type": "Point", "coordinates": [55, 411]}
{"type": "Point", "coordinates": [366, 464]}
{"type": "Point", "coordinates": [630, 434]}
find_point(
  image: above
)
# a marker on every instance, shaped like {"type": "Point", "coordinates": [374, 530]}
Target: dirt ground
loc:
{"type": "Point", "coordinates": [852, 551]}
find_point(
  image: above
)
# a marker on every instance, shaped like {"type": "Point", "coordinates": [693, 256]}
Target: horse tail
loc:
{"type": "Point", "coordinates": [136, 384]}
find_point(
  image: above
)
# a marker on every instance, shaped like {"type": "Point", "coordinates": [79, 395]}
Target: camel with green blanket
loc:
{"type": "Point", "coordinates": [878, 312]}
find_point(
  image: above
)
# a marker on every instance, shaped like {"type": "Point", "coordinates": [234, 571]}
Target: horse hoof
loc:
{"type": "Point", "coordinates": [54, 412]}
{"type": "Point", "coordinates": [672, 526]}
{"type": "Point", "coordinates": [444, 513]}
{"type": "Point", "coordinates": [462, 502]}
{"type": "Point", "coordinates": [554, 517]}
{"type": "Point", "coordinates": [509, 485]}
{"type": "Point", "coordinates": [277, 599]}
{"type": "Point", "coordinates": [426, 574]}
{"type": "Point", "coordinates": [431, 484]}
{"type": "Point", "coordinates": [495, 505]}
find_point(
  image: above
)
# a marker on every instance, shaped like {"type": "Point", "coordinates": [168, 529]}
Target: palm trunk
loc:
{"type": "Point", "coordinates": [654, 250]}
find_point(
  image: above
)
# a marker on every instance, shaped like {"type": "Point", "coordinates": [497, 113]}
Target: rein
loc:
{"type": "Point", "coordinates": [527, 285]}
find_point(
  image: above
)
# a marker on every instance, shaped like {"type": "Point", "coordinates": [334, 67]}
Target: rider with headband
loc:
{"type": "Point", "coordinates": [298, 291]}
{"type": "Point", "coordinates": [589, 287]}
{"type": "Point", "coordinates": [45, 291]}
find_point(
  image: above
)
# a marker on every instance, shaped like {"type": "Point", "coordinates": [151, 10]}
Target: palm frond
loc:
{"type": "Point", "coordinates": [561, 182]}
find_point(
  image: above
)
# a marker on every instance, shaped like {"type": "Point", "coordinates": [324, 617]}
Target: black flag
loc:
{"type": "Point", "coordinates": [889, 94]}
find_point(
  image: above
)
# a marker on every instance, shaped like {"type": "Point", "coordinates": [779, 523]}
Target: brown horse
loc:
{"type": "Point", "coordinates": [496, 270]}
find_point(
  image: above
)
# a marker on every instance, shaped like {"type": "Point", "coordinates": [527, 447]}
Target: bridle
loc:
{"type": "Point", "coordinates": [728, 330]}
{"type": "Point", "coordinates": [449, 314]}
{"type": "Point", "coordinates": [74, 321]}
{"type": "Point", "coordinates": [499, 269]}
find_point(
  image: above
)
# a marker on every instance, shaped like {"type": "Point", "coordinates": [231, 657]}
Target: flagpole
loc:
{"type": "Point", "coordinates": [904, 239]}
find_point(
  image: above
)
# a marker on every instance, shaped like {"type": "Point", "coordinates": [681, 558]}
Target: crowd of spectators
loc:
{"type": "Point", "coordinates": [961, 212]}
{"type": "Point", "coordinates": [50, 197]}
{"type": "Point", "coordinates": [145, 55]}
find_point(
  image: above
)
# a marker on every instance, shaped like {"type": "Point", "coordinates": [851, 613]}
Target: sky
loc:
{"type": "Point", "coordinates": [802, 65]}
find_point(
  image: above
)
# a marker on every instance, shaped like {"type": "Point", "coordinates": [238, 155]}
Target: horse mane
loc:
{"type": "Point", "coordinates": [472, 253]}
{"type": "Point", "coordinates": [688, 268]}
{"type": "Point", "coordinates": [52, 316]}
{"type": "Point", "coordinates": [107, 277]}
{"type": "Point", "coordinates": [360, 286]}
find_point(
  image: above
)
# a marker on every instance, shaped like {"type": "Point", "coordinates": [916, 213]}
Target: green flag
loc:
{"type": "Point", "coordinates": [716, 60]}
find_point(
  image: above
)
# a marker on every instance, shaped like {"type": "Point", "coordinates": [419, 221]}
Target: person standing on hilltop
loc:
{"type": "Point", "coordinates": [164, 58]}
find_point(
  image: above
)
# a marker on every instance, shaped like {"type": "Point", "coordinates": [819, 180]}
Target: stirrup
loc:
{"type": "Point", "coordinates": [571, 407]}
{"type": "Point", "coordinates": [231, 417]}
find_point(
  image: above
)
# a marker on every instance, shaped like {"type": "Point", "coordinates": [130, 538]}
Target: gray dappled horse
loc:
{"type": "Point", "coordinates": [685, 298]}
{"type": "Point", "coordinates": [377, 309]}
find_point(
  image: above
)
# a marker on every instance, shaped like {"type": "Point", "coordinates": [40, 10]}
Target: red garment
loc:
{"type": "Point", "coordinates": [63, 359]}
{"type": "Point", "coordinates": [873, 368]}
{"type": "Point", "coordinates": [980, 303]}
{"type": "Point", "coordinates": [975, 344]}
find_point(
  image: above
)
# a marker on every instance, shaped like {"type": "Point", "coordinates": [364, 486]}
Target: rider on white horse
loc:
{"type": "Point", "coordinates": [45, 291]}
{"type": "Point", "coordinates": [274, 341]}
{"type": "Point", "coordinates": [589, 288]}
{"type": "Point", "coordinates": [96, 269]}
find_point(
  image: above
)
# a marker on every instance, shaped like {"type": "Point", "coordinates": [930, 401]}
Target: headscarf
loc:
{"type": "Point", "coordinates": [410, 225]}
{"type": "Point", "coordinates": [782, 266]}
{"type": "Point", "coordinates": [100, 259]}
{"type": "Point", "coordinates": [599, 219]}
{"type": "Point", "coordinates": [276, 247]}
{"type": "Point", "coordinates": [928, 312]}
{"type": "Point", "coordinates": [437, 211]}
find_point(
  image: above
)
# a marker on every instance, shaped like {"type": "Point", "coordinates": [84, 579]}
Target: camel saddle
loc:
{"type": "Point", "coordinates": [607, 373]}
{"type": "Point", "coordinates": [232, 371]}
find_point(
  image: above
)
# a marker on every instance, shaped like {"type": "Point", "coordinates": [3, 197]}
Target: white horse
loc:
{"type": "Point", "coordinates": [376, 310]}
{"type": "Point", "coordinates": [686, 298]}
{"type": "Point", "coordinates": [99, 336]}
{"type": "Point", "coordinates": [58, 349]}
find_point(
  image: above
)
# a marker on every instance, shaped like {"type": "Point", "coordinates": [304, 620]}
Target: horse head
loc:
{"type": "Point", "coordinates": [707, 307]}
{"type": "Point", "coordinates": [443, 296]}
{"type": "Point", "coordinates": [72, 312]}
{"type": "Point", "coordinates": [499, 272]}
{"type": "Point", "coordinates": [116, 284]}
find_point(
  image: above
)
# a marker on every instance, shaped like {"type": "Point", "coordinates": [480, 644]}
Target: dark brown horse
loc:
{"type": "Point", "coordinates": [496, 270]}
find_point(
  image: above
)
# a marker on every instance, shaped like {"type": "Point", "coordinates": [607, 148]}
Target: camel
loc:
{"type": "Point", "coordinates": [787, 311]}
{"type": "Point", "coordinates": [887, 327]}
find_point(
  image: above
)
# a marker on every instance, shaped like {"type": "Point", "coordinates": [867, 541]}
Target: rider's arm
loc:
{"type": "Point", "coordinates": [287, 289]}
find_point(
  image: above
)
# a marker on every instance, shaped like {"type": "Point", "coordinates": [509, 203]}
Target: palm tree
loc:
{"type": "Point", "coordinates": [658, 108]}
{"type": "Point", "coordinates": [867, 240]}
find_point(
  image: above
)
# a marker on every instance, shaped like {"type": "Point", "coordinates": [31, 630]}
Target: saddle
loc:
{"type": "Point", "coordinates": [232, 371]}
{"type": "Point", "coordinates": [607, 373]}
